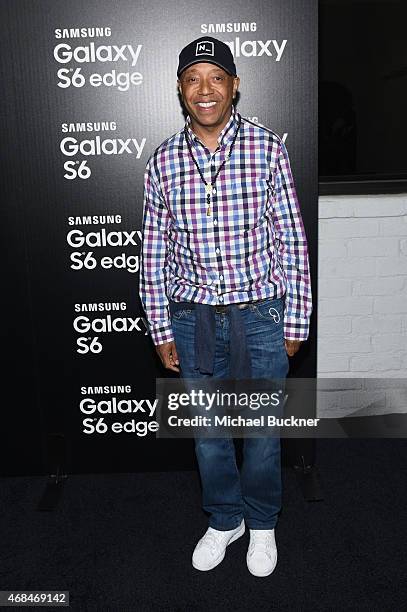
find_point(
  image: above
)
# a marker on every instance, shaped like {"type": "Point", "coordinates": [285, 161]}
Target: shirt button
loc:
{"type": "Point", "coordinates": [218, 250]}
{"type": "Point", "coordinates": [215, 221]}
{"type": "Point", "coordinates": [220, 299]}
{"type": "Point", "coordinates": [213, 190]}
{"type": "Point", "coordinates": [221, 277]}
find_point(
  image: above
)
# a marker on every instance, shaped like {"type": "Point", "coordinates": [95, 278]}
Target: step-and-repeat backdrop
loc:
{"type": "Point", "coordinates": [90, 91]}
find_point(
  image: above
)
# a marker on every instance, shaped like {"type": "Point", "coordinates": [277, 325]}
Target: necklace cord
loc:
{"type": "Point", "coordinates": [213, 181]}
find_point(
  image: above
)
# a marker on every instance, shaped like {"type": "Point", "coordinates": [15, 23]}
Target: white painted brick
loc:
{"type": "Point", "coordinates": [331, 287]}
{"type": "Point", "coordinates": [345, 344]}
{"type": "Point", "coordinates": [376, 374]}
{"type": "Point", "coordinates": [374, 246]}
{"type": "Point", "coordinates": [363, 249]}
{"type": "Point", "coordinates": [333, 364]}
{"type": "Point", "coordinates": [334, 247]}
{"type": "Point", "coordinates": [370, 403]}
{"type": "Point", "coordinates": [386, 383]}
{"type": "Point", "coordinates": [343, 306]}
{"type": "Point", "coordinates": [376, 323]}
{"type": "Point", "coordinates": [333, 208]}
{"type": "Point", "coordinates": [328, 400]}
{"type": "Point", "coordinates": [323, 411]}
{"type": "Point", "coordinates": [375, 286]}
{"type": "Point", "coordinates": [391, 303]}
{"type": "Point", "coordinates": [396, 400]}
{"type": "Point", "coordinates": [331, 326]}
{"type": "Point", "coordinates": [363, 402]}
{"type": "Point", "coordinates": [353, 267]}
{"type": "Point", "coordinates": [348, 228]}
{"type": "Point", "coordinates": [389, 342]}
{"type": "Point", "coordinates": [362, 206]}
{"type": "Point", "coordinates": [340, 384]}
{"type": "Point", "coordinates": [377, 362]}
{"type": "Point", "coordinates": [391, 266]}
{"type": "Point", "coordinates": [374, 206]}
{"type": "Point", "coordinates": [393, 226]}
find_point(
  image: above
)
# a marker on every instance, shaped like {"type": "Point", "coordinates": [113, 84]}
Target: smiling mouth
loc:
{"type": "Point", "coordinates": [206, 104]}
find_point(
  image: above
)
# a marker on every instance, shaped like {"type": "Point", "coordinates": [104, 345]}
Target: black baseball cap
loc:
{"type": "Point", "coordinates": [207, 49]}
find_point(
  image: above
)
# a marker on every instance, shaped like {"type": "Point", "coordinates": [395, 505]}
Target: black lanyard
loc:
{"type": "Point", "coordinates": [209, 187]}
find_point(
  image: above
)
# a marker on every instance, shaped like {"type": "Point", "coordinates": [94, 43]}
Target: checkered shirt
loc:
{"type": "Point", "coordinates": [252, 245]}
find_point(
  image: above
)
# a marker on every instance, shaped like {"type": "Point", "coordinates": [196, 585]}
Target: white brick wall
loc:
{"type": "Point", "coordinates": [362, 286]}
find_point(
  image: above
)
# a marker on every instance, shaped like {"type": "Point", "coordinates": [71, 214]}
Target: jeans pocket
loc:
{"type": "Point", "coordinates": [269, 310]}
{"type": "Point", "coordinates": [182, 312]}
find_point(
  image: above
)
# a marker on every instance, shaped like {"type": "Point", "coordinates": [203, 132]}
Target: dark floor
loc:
{"type": "Point", "coordinates": [124, 541]}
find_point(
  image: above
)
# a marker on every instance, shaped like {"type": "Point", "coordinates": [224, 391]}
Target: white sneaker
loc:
{"type": "Point", "coordinates": [210, 550]}
{"type": "Point", "coordinates": [262, 553]}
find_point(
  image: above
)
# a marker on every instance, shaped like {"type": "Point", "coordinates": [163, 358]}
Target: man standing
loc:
{"type": "Point", "coordinates": [224, 282]}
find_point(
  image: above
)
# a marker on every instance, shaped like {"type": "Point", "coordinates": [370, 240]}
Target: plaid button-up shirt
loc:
{"type": "Point", "coordinates": [252, 245]}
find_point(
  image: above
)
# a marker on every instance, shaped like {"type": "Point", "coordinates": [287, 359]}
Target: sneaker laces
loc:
{"type": "Point", "coordinates": [213, 539]}
{"type": "Point", "coordinates": [260, 542]}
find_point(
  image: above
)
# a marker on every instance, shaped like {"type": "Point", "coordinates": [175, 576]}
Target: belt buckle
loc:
{"type": "Point", "coordinates": [220, 308]}
{"type": "Point", "coordinates": [240, 305]}
{"type": "Point", "coordinates": [223, 307]}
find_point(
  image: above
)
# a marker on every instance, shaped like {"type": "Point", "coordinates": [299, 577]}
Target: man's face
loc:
{"type": "Point", "coordinates": [207, 92]}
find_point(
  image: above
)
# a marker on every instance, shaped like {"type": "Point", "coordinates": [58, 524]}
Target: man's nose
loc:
{"type": "Point", "coordinates": [205, 86]}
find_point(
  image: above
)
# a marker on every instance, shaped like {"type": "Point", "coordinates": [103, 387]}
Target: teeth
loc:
{"type": "Point", "coordinates": [206, 104]}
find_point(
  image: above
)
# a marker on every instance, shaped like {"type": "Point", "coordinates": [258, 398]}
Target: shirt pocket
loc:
{"type": "Point", "coordinates": [181, 212]}
{"type": "Point", "coordinates": [255, 205]}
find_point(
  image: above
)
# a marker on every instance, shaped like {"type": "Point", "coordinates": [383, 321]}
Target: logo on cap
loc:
{"type": "Point", "coordinates": [205, 47]}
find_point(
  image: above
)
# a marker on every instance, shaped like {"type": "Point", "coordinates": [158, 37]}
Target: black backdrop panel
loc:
{"type": "Point", "coordinates": [90, 92]}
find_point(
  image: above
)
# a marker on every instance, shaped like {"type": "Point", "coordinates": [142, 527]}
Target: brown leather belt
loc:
{"type": "Point", "coordinates": [223, 308]}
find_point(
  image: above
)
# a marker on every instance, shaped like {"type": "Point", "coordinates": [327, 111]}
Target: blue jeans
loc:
{"type": "Point", "coordinates": [255, 493]}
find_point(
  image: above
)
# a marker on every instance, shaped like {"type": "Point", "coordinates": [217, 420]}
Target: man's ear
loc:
{"type": "Point", "coordinates": [179, 86]}
{"type": "Point", "coordinates": [236, 82]}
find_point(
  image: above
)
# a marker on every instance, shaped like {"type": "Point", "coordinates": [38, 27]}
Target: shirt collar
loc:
{"type": "Point", "coordinates": [226, 135]}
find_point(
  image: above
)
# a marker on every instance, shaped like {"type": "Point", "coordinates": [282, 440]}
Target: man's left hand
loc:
{"type": "Point", "coordinates": [292, 346]}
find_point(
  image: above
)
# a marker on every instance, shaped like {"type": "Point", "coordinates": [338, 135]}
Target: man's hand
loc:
{"type": "Point", "coordinates": [292, 346]}
{"type": "Point", "coordinates": [168, 355]}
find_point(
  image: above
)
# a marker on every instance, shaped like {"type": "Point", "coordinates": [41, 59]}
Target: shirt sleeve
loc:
{"type": "Point", "coordinates": [292, 251]}
{"type": "Point", "coordinates": [154, 260]}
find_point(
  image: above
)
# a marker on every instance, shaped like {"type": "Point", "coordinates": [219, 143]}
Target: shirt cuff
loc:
{"type": "Point", "coordinates": [161, 333]}
{"type": "Point", "coordinates": [296, 328]}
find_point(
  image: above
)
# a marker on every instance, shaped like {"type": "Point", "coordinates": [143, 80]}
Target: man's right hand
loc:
{"type": "Point", "coordinates": [168, 355]}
